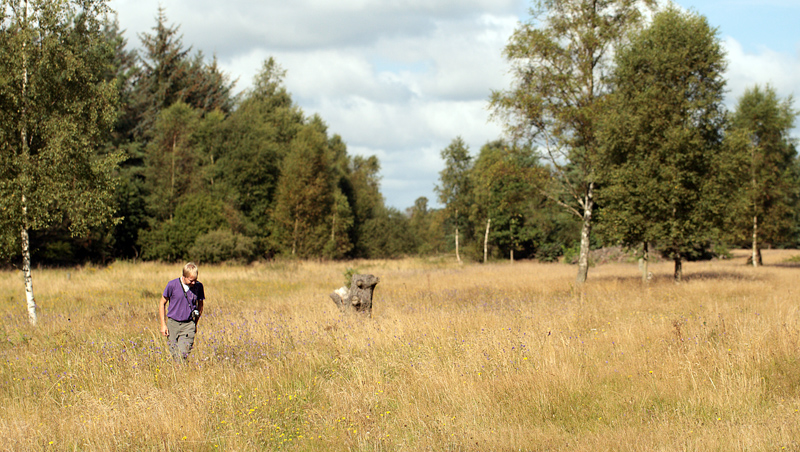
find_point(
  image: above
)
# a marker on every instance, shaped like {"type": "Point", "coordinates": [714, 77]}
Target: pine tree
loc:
{"type": "Point", "coordinates": [168, 75]}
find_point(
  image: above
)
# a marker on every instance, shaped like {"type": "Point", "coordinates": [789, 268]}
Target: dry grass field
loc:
{"type": "Point", "coordinates": [499, 357]}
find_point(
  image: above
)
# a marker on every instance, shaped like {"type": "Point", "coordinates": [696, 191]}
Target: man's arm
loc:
{"type": "Point", "coordinates": [162, 315]}
{"type": "Point", "coordinates": [200, 307]}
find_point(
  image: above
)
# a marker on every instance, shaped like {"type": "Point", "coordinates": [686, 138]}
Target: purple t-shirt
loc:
{"type": "Point", "coordinates": [181, 304]}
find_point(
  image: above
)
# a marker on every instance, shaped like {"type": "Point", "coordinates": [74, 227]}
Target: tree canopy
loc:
{"type": "Point", "coordinates": [764, 122]}
{"type": "Point", "coordinates": [559, 60]}
{"type": "Point", "coordinates": [666, 171]}
{"type": "Point", "coordinates": [55, 107]}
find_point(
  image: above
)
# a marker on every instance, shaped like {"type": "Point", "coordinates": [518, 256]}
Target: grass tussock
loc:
{"type": "Point", "coordinates": [467, 358]}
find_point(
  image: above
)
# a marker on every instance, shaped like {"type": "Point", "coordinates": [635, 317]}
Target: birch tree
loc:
{"type": "Point", "coordinates": [765, 122]}
{"type": "Point", "coordinates": [667, 176]}
{"type": "Point", "coordinates": [54, 108]}
{"type": "Point", "coordinates": [305, 195]}
{"type": "Point", "coordinates": [455, 189]}
{"type": "Point", "coordinates": [505, 182]}
{"type": "Point", "coordinates": [559, 60]}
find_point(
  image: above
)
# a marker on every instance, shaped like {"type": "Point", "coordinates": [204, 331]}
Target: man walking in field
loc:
{"type": "Point", "coordinates": [185, 297]}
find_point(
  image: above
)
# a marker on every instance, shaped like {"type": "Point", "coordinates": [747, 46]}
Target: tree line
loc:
{"type": "Point", "coordinates": [617, 135]}
{"type": "Point", "coordinates": [190, 170]}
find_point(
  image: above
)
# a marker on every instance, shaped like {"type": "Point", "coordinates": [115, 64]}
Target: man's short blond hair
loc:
{"type": "Point", "coordinates": [190, 270]}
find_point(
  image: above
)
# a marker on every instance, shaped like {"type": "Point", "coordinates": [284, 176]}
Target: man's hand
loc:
{"type": "Point", "coordinates": [162, 316]}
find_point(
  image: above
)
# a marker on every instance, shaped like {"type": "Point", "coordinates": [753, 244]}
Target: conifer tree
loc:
{"type": "Point", "coordinates": [169, 75]}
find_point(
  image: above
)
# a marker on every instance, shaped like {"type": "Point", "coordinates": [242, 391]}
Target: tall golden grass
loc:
{"type": "Point", "coordinates": [496, 357]}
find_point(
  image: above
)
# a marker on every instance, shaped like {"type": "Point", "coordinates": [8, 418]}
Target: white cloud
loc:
{"type": "Point", "coordinates": [745, 70]}
{"type": "Point", "coordinates": [403, 98]}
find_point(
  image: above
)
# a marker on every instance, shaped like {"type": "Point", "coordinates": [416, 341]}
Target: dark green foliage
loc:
{"type": "Point", "coordinates": [363, 186]}
{"type": "Point", "coordinates": [223, 245]}
{"type": "Point", "coordinates": [55, 108]}
{"type": "Point", "coordinates": [549, 252]}
{"type": "Point", "coordinates": [667, 178]}
{"type": "Point", "coordinates": [257, 139]}
{"type": "Point", "coordinates": [122, 68]}
{"type": "Point", "coordinates": [305, 196]}
{"type": "Point", "coordinates": [147, 88]}
{"type": "Point", "coordinates": [387, 235]}
{"type": "Point", "coordinates": [763, 123]}
{"type": "Point", "coordinates": [559, 61]}
{"type": "Point", "coordinates": [172, 167]}
{"type": "Point", "coordinates": [171, 239]}
{"type": "Point", "coordinates": [213, 177]}
{"type": "Point", "coordinates": [455, 190]}
{"type": "Point", "coordinates": [168, 75]}
{"type": "Point", "coordinates": [425, 227]}
{"type": "Point", "coordinates": [507, 182]}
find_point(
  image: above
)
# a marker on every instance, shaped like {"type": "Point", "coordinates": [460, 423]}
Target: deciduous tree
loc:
{"type": "Point", "coordinates": [455, 188]}
{"type": "Point", "coordinates": [667, 177]}
{"type": "Point", "coordinates": [506, 180]}
{"type": "Point", "coordinates": [259, 136]}
{"type": "Point", "coordinates": [305, 195]}
{"type": "Point", "coordinates": [54, 108]}
{"type": "Point", "coordinates": [559, 60]}
{"type": "Point", "coordinates": [765, 123]}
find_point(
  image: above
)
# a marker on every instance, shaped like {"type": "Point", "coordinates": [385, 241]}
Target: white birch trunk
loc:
{"type": "Point", "coordinates": [586, 230]}
{"type": "Point", "coordinates": [645, 261]}
{"type": "Point", "coordinates": [486, 241]}
{"type": "Point", "coordinates": [26, 251]}
{"type": "Point", "coordinates": [294, 235]}
{"type": "Point", "coordinates": [26, 269]}
{"type": "Point", "coordinates": [458, 256]}
{"type": "Point", "coordinates": [755, 241]}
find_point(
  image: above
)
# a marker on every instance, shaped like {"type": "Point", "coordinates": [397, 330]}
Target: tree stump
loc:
{"type": "Point", "coordinates": [359, 297]}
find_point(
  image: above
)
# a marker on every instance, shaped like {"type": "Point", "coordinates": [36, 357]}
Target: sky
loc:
{"type": "Point", "coordinates": [400, 79]}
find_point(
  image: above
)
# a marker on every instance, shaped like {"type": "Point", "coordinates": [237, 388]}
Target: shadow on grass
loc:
{"type": "Point", "coordinates": [785, 264]}
{"type": "Point", "coordinates": [689, 277]}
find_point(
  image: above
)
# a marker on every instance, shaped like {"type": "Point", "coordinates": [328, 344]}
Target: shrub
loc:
{"type": "Point", "coordinates": [549, 252]}
{"type": "Point", "coordinates": [223, 245]}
